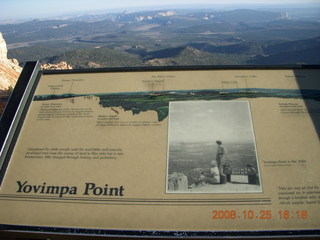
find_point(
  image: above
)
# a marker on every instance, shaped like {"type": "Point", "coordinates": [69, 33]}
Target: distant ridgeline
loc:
{"type": "Point", "coordinates": [159, 101]}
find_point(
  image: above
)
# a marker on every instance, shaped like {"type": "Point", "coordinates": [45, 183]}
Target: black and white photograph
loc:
{"type": "Point", "coordinates": [211, 148]}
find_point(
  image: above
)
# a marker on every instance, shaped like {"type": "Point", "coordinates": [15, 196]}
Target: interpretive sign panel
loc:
{"type": "Point", "coordinates": [167, 150]}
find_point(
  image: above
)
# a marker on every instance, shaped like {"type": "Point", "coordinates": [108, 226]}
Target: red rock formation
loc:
{"type": "Point", "coordinates": [57, 66]}
{"type": "Point", "coordinates": [9, 73]}
{"type": "Point", "coordinates": [8, 76]}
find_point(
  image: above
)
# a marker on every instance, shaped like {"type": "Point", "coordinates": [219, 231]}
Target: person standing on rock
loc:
{"type": "Point", "coordinates": [221, 152]}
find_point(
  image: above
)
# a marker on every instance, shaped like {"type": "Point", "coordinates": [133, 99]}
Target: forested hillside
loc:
{"type": "Point", "coordinates": [169, 37]}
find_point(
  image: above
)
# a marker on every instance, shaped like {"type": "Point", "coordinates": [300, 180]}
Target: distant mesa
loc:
{"type": "Point", "coordinates": [60, 26]}
{"type": "Point", "coordinates": [160, 14]}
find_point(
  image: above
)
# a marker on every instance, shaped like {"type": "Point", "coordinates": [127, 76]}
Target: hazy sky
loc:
{"type": "Point", "coordinates": [228, 121]}
{"type": "Point", "coordinates": [43, 8]}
